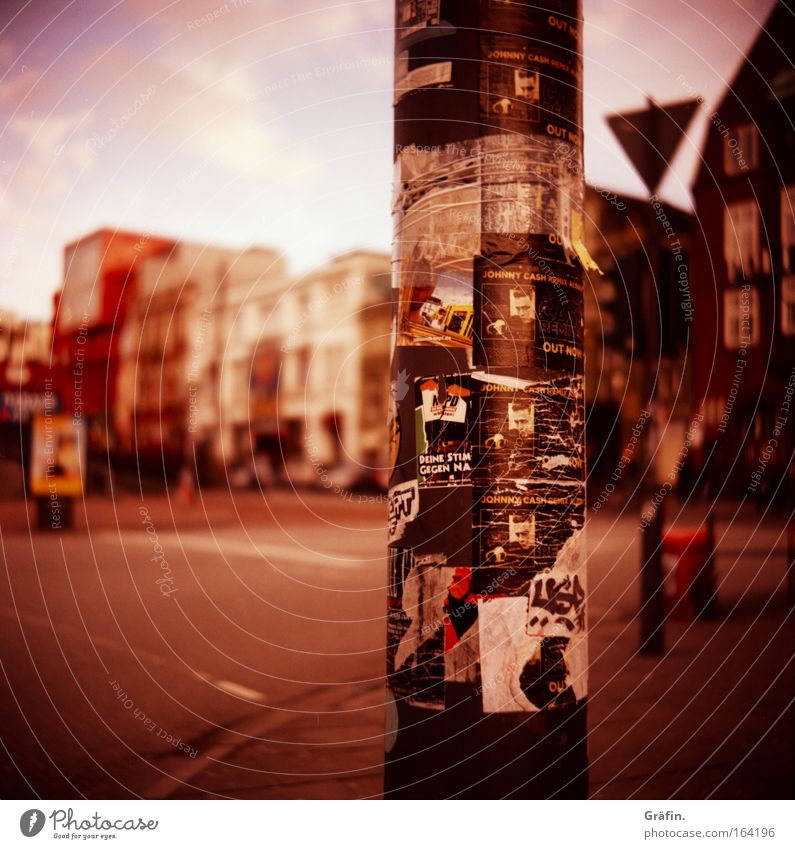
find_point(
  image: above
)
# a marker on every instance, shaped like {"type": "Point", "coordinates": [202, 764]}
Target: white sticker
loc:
{"type": "Point", "coordinates": [404, 507]}
{"type": "Point", "coordinates": [557, 596]}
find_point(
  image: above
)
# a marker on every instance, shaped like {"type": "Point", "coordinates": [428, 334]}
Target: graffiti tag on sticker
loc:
{"type": "Point", "coordinates": [404, 505]}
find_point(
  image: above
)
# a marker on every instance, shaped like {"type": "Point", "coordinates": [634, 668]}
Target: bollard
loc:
{"type": "Point", "coordinates": [693, 592]}
{"type": "Point", "coordinates": [652, 601]}
{"type": "Point", "coordinates": [707, 600]}
{"type": "Point", "coordinates": [790, 567]}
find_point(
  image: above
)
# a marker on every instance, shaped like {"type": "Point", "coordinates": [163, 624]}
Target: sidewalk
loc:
{"type": "Point", "coordinates": [713, 717]}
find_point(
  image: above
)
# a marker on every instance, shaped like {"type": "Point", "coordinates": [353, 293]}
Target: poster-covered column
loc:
{"type": "Point", "coordinates": [486, 643]}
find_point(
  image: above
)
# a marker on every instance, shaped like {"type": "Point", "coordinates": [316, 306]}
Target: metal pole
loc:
{"type": "Point", "coordinates": [790, 567]}
{"type": "Point", "coordinates": [486, 644]}
{"type": "Point", "coordinates": [652, 601]}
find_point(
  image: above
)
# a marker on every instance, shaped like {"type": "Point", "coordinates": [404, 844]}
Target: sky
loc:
{"type": "Point", "coordinates": [269, 122]}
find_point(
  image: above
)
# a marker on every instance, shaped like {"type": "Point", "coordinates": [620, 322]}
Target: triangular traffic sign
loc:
{"type": "Point", "coordinates": [651, 136]}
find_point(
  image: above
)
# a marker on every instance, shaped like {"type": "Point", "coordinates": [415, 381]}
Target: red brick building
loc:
{"type": "Point", "coordinates": [99, 285]}
{"type": "Point", "coordinates": [743, 272]}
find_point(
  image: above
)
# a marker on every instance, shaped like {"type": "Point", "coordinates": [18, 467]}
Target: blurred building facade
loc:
{"type": "Point", "coordinates": [193, 319]}
{"type": "Point", "coordinates": [744, 270]}
{"type": "Point", "coordinates": [100, 281]}
{"type": "Point", "coordinates": [176, 353]}
{"type": "Point", "coordinates": [335, 349]}
{"type": "Point", "coordinates": [27, 389]}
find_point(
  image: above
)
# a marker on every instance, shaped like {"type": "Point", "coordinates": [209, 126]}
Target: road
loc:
{"type": "Point", "coordinates": [235, 647]}
{"type": "Point", "coordinates": [138, 657]}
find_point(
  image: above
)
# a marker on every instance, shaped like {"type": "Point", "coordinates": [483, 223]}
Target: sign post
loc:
{"type": "Point", "coordinates": [650, 137]}
{"type": "Point", "coordinates": [486, 643]}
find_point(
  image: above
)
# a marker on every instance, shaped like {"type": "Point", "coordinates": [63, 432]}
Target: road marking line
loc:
{"type": "Point", "coordinates": [222, 546]}
{"type": "Point", "coordinates": [239, 690]}
{"type": "Point", "coordinates": [230, 687]}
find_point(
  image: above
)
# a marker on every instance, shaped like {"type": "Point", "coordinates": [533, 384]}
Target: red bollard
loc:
{"type": "Point", "coordinates": [694, 579]}
{"type": "Point", "coordinates": [186, 487]}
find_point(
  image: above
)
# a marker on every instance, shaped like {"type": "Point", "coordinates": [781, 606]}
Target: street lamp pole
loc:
{"type": "Point", "coordinates": [486, 642]}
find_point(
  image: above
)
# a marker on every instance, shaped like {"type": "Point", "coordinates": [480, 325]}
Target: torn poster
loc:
{"type": "Point", "coordinates": [529, 313]}
{"type": "Point", "coordinates": [461, 646]}
{"type": "Point", "coordinates": [416, 632]}
{"type": "Point", "coordinates": [413, 15]}
{"type": "Point", "coordinates": [425, 76]}
{"type": "Point", "coordinates": [557, 595]}
{"type": "Point", "coordinates": [436, 308]}
{"type": "Point", "coordinates": [522, 672]}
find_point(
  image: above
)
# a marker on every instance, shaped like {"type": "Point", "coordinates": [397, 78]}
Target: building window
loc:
{"type": "Point", "coordinates": [741, 242]}
{"type": "Point", "coordinates": [81, 297]}
{"type": "Point", "coordinates": [335, 362]}
{"type": "Point", "coordinates": [304, 361]}
{"type": "Point", "coordinates": [788, 305]}
{"type": "Point", "coordinates": [788, 228]}
{"type": "Point", "coordinates": [740, 318]}
{"type": "Point", "coordinates": [304, 309]}
{"type": "Point", "coordinates": [741, 150]}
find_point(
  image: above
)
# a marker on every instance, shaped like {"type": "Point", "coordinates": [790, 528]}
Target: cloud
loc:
{"type": "Point", "coordinates": [201, 107]}
{"type": "Point", "coordinates": [51, 153]}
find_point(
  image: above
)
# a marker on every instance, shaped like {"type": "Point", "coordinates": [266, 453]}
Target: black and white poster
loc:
{"type": "Point", "coordinates": [443, 422]}
{"type": "Point", "coordinates": [525, 526]}
{"type": "Point", "coordinates": [528, 314]}
{"type": "Point", "coordinates": [528, 430]}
